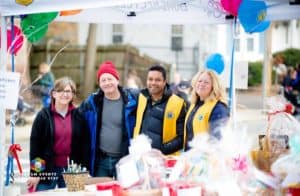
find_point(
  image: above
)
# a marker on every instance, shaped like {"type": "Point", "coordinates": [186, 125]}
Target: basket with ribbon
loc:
{"type": "Point", "coordinates": [281, 125]}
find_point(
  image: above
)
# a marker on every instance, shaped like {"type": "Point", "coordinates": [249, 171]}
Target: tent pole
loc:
{"type": "Point", "coordinates": [3, 62]}
{"type": "Point", "coordinates": [232, 98]}
{"type": "Point", "coordinates": [267, 67]}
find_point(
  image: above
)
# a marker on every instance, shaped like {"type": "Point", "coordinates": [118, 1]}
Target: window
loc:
{"type": "Point", "coordinates": [177, 37]}
{"type": "Point", "coordinates": [250, 44]}
{"type": "Point", "coordinates": [117, 34]}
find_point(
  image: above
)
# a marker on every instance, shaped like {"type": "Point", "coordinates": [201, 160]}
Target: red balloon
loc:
{"type": "Point", "coordinates": [231, 6]}
{"type": "Point", "coordinates": [13, 46]}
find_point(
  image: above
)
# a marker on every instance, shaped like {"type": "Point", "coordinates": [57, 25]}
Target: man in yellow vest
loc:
{"type": "Point", "coordinates": [160, 113]}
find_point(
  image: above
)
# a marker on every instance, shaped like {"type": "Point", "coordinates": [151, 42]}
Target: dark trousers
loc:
{"type": "Point", "coordinates": [106, 165]}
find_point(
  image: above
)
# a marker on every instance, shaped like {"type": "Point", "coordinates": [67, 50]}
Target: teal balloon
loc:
{"type": "Point", "coordinates": [215, 62]}
{"type": "Point", "coordinates": [252, 14]}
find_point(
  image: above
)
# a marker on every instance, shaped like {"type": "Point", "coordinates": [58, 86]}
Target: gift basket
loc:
{"type": "Point", "coordinates": [240, 176]}
{"type": "Point", "coordinates": [200, 170]}
{"type": "Point", "coordinates": [274, 143]}
{"type": "Point", "coordinates": [141, 172]}
{"type": "Point", "coordinates": [287, 168]}
{"type": "Point", "coordinates": [75, 177]}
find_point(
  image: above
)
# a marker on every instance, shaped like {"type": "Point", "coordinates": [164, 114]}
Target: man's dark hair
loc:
{"type": "Point", "coordinates": [160, 69]}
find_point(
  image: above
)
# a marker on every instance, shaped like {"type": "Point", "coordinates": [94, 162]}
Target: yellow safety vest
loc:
{"type": "Point", "coordinates": [201, 117]}
{"type": "Point", "coordinates": [171, 114]}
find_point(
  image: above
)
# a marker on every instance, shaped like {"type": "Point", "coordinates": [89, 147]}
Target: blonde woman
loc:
{"type": "Point", "coordinates": [58, 134]}
{"type": "Point", "coordinates": [208, 112]}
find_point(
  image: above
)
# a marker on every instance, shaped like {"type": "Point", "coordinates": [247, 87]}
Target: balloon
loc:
{"type": "Point", "coordinates": [41, 18]}
{"type": "Point", "coordinates": [34, 33]}
{"type": "Point", "coordinates": [13, 46]}
{"type": "Point", "coordinates": [215, 62]}
{"type": "Point", "coordinates": [252, 14]}
{"type": "Point", "coordinates": [231, 6]}
{"type": "Point", "coordinates": [69, 12]}
{"type": "Point", "coordinates": [24, 2]}
{"type": "Point", "coordinates": [35, 26]}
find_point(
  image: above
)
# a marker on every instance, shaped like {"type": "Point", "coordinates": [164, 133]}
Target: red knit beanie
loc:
{"type": "Point", "coordinates": [108, 67]}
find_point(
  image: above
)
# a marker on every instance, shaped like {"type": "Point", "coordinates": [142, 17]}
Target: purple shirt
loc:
{"type": "Point", "coordinates": [62, 137]}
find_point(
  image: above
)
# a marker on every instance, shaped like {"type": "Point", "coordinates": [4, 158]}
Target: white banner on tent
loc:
{"type": "Point", "coordinates": [9, 90]}
{"type": "Point", "coordinates": [241, 75]}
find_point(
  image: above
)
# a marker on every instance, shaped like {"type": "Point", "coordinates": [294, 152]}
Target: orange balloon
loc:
{"type": "Point", "coordinates": [69, 12]}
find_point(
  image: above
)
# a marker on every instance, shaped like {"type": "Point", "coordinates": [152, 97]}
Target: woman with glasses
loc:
{"type": "Point", "coordinates": [208, 111]}
{"type": "Point", "coordinates": [58, 136]}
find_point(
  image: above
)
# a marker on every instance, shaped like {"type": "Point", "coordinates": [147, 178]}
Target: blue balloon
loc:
{"type": "Point", "coordinates": [252, 15]}
{"type": "Point", "coordinates": [215, 62]}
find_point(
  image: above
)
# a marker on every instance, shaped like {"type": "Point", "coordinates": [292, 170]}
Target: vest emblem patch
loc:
{"type": "Point", "coordinates": [170, 115]}
{"type": "Point", "coordinates": [200, 117]}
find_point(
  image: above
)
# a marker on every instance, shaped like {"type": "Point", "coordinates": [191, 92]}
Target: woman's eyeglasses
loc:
{"type": "Point", "coordinates": [67, 92]}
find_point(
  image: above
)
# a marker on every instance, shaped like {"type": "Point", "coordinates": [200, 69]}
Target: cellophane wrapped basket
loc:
{"type": "Point", "coordinates": [281, 125]}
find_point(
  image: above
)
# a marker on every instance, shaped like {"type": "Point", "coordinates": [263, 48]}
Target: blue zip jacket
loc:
{"type": "Point", "coordinates": [91, 109]}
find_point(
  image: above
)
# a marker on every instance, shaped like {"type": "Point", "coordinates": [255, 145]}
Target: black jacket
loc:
{"type": "Point", "coordinates": [152, 123]}
{"type": "Point", "coordinates": [42, 140]}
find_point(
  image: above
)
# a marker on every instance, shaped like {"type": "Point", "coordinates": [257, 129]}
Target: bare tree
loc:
{"type": "Point", "coordinates": [89, 61]}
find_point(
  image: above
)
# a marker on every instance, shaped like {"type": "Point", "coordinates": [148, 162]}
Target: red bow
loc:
{"type": "Point", "coordinates": [13, 152]}
{"type": "Point", "coordinates": [288, 109]}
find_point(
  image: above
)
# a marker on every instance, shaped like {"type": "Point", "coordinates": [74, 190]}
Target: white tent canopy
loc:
{"type": "Point", "coordinates": [146, 11]}
{"type": "Point", "coordinates": [10, 7]}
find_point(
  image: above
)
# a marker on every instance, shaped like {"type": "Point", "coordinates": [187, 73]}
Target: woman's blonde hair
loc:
{"type": "Point", "coordinates": [60, 84]}
{"type": "Point", "coordinates": [218, 91]}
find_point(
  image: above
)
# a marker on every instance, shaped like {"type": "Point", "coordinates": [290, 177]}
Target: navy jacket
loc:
{"type": "Point", "coordinates": [153, 119]}
{"type": "Point", "coordinates": [91, 109]}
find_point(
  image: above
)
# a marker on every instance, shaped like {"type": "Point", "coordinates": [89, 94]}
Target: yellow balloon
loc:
{"type": "Point", "coordinates": [24, 2]}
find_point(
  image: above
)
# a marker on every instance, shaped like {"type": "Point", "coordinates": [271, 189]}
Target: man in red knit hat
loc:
{"type": "Point", "coordinates": [110, 130]}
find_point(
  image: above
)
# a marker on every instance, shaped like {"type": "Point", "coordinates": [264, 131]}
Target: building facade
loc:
{"type": "Point", "coordinates": [187, 46]}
